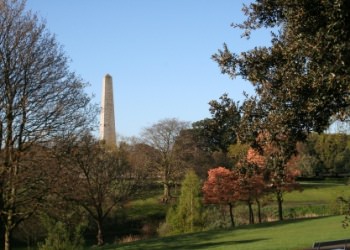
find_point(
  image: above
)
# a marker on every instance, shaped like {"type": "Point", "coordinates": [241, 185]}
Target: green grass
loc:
{"type": "Point", "coordinates": [287, 235]}
{"type": "Point", "coordinates": [318, 193]}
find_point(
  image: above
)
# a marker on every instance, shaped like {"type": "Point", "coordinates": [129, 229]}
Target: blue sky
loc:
{"type": "Point", "coordinates": [157, 51]}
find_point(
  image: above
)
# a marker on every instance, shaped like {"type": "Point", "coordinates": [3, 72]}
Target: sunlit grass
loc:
{"type": "Point", "coordinates": [287, 235]}
{"type": "Point", "coordinates": [318, 193]}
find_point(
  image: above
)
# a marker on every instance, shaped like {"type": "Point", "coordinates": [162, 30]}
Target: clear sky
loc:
{"type": "Point", "coordinates": [157, 51]}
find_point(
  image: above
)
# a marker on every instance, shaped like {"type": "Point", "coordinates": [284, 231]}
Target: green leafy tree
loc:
{"type": "Point", "coordinates": [186, 216]}
{"type": "Point", "coordinates": [303, 77]}
{"type": "Point", "coordinates": [219, 132]}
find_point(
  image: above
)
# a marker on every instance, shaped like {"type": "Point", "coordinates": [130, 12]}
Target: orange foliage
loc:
{"type": "Point", "coordinates": [221, 187]}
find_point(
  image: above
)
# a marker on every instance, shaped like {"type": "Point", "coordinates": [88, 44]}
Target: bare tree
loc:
{"type": "Point", "coordinates": [162, 137]}
{"type": "Point", "coordinates": [40, 99]}
{"type": "Point", "coordinates": [98, 178]}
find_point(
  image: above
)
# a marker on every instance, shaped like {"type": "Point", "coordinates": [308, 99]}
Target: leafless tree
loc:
{"type": "Point", "coordinates": [165, 161]}
{"type": "Point", "coordinates": [98, 178]}
{"type": "Point", "coordinates": [40, 100]}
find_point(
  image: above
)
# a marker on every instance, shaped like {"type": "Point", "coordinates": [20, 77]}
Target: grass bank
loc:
{"type": "Point", "coordinates": [286, 235]}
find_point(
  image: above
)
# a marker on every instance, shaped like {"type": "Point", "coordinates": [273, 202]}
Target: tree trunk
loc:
{"type": "Point", "coordinates": [231, 215]}
{"type": "Point", "coordinates": [7, 239]}
{"type": "Point", "coordinates": [251, 213]}
{"type": "Point", "coordinates": [279, 203]}
{"type": "Point", "coordinates": [259, 210]}
{"type": "Point", "coordinates": [99, 236]}
{"type": "Point", "coordinates": [166, 192]}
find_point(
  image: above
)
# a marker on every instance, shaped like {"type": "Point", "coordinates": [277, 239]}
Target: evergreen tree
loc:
{"type": "Point", "coordinates": [186, 216]}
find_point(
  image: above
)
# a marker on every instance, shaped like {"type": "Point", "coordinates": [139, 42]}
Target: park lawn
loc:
{"type": "Point", "coordinates": [318, 193]}
{"type": "Point", "coordinates": [287, 235]}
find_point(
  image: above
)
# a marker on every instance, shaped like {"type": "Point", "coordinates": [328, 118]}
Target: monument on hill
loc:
{"type": "Point", "coordinates": [107, 123]}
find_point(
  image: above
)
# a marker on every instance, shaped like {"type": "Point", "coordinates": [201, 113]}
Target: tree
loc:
{"type": "Point", "coordinates": [162, 137]}
{"type": "Point", "coordinates": [222, 187]}
{"type": "Point", "coordinates": [191, 153]}
{"type": "Point", "coordinates": [302, 79]}
{"type": "Point", "coordinates": [278, 169]}
{"type": "Point", "coordinates": [186, 216]}
{"type": "Point", "coordinates": [250, 169]}
{"type": "Point", "coordinates": [333, 152]}
{"type": "Point", "coordinates": [40, 100]}
{"type": "Point", "coordinates": [97, 178]}
{"type": "Point", "coordinates": [219, 132]}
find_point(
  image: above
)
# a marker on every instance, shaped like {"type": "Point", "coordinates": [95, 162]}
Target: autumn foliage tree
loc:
{"type": "Point", "coordinates": [252, 184]}
{"type": "Point", "coordinates": [278, 171]}
{"type": "Point", "coordinates": [222, 187]}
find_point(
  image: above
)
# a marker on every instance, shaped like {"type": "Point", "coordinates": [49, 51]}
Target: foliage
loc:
{"type": "Point", "coordinates": [222, 187]}
{"type": "Point", "coordinates": [325, 154]}
{"type": "Point", "coordinates": [219, 132]}
{"type": "Point", "coordinates": [301, 80]}
{"type": "Point", "coordinates": [60, 237]}
{"type": "Point", "coordinates": [190, 150]}
{"type": "Point", "coordinates": [186, 216]}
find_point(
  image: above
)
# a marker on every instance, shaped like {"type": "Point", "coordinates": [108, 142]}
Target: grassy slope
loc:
{"type": "Point", "coordinates": [293, 235]}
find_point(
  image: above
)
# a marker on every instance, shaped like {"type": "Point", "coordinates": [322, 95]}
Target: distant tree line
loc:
{"type": "Point", "coordinates": [325, 155]}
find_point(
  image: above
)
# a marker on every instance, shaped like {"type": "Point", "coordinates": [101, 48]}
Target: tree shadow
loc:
{"type": "Point", "coordinates": [189, 242]}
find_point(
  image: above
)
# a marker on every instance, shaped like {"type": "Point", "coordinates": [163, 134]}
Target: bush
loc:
{"type": "Point", "coordinates": [60, 237]}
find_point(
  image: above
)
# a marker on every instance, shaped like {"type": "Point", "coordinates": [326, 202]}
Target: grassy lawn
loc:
{"type": "Point", "coordinates": [292, 235]}
{"type": "Point", "coordinates": [318, 193]}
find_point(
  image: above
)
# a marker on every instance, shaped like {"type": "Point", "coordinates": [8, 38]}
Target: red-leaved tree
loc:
{"type": "Point", "coordinates": [222, 187]}
{"type": "Point", "coordinates": [277, 166]}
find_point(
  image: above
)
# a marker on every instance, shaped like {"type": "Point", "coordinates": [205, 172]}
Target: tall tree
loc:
{"type": "Point", "coordinates": [302, 79]}
{"type": "Point", "coordinates": [166, 163]}
{"type": "Point", "coordinates": [40, 99]}
{"type": "Point", "coordinates": [186, 216]}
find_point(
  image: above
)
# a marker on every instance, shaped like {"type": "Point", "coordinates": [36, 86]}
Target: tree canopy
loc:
{"type": "Point", "coordinates": [302, 79]}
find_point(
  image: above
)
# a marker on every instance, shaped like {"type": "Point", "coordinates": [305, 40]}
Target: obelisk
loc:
{"type": "Point", "coordinates": [107, 123]}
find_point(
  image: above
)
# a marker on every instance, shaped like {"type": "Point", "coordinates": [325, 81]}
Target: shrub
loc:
{"type": "Point", "coordinates": [60, 237]}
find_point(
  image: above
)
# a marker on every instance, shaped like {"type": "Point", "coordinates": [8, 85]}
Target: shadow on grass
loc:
{"type": "Point", "coordinates": [194, 243]}
{"type": "Point", "coordinates": [204, 240]}
{"type": "Point", "coordinates": [198, 241]}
